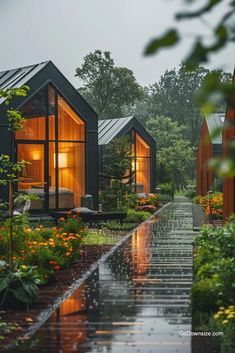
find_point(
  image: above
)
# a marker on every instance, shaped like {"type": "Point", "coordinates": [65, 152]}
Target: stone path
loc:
{"type": "Point", "coordinates": [136, 301]}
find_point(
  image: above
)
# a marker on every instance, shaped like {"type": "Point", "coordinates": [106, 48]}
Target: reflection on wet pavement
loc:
{"type": "Point", "coordinates": [136, 301]}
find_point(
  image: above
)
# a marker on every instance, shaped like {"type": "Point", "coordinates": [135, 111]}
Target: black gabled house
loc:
{"type": "Point", "coordinates": [59, 138]}
{"type": "Point", "coordinates": [143, 148]}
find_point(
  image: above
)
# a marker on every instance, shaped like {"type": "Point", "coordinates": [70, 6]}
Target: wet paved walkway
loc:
{"type": "Point", "coordinates": [136, 301]}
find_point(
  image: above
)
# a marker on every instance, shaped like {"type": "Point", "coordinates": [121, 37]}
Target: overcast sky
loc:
{"type": "Point", "coordinates": [64, 31]}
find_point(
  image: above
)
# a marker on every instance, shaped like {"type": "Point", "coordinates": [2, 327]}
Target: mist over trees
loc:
{"type": "Point", "coordinates": [167, 108]}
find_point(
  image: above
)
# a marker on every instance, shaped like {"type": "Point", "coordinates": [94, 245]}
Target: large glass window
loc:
{"type": "Point", "coordinates": [71, 173]}
{"type": "Point", "coordinates": [60, 159]}
{"type": "Point", "coordinates": [70, 125]}
{"type": "Point", "coordinates": [141, 155]}
{"type": "Point", "coordinates": [32, 177]}
{"type": "Point", "coordinates": [34, 112]}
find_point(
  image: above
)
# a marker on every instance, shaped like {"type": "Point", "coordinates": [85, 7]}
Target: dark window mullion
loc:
{"type": "Point", "coordinates": [46, 160]}
{"type": "Point", "coordinates": [135, 161]}
{"type": "Point", "coordinates": [56, 153]}
{"type": "Point", "coordinates": [73, 141]}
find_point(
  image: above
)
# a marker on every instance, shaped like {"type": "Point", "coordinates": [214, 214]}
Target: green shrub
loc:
{"type": "Point", "coordinates": [205, 294]}
{"type": "Point", "coordinates": [165, 198]}
{"type": "Point", "coordinates": [72, 225]}
{"type": "Point", "coordinates": [113, 197]}
{"type": "Point", "coordinates": [167, 189]}
{"type": "Point", "coordinates": [136, 216]}
{"type": "Point", "coordinates": [218, 241]}
{"type": "Point", "coordinates": [131, 200]}
{"type": "Point", "coordinates": [20, 286]}
{"type": "Point", "coordinates": [118, 226]}
{"type": "Point", "coordinates": [196, 199]}
{"type": "Point", "coordinates": [214, 270]}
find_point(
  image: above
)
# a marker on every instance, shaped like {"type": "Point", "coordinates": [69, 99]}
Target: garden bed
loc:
{"type": "Point", "coordinates": [49, 293]}
{"type": "Point", "coordinates": [213, 296]}
{"type": "Point", "coordinates": [61, 256]}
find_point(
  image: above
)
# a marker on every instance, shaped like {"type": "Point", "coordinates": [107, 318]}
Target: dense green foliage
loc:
{"type": "Point", "coordinates": [9, 168]}
{"type": "Point", "coordinates": [175, 164]}
{"type": "Point", "coordinates": [136, 216]}
{"type": "Point", "coordinates": [20, 286]}
{"type": "Point", "coordinates": [117, 160]}
{"type": "Point", "coordinates": [111, 90]}
{"type": "Point", "coordinates": [214, 275]}
{"type": "Point", "coordinates": [172, 115]}
{"type": "Point", "coordinates": [168, 108]}
{"type": "Point", "coordinates": [49, 249]}
{"type": "Point", "coordinates": [117, 176]}
{"type": "Point", "coordinates": [167, 189]}
{"type": "Point", "coordinates": [164, 130]}
{"type": "Point", "coordinates": [216, 91]}
{"type": "Point", "coordinates": [174, 97]}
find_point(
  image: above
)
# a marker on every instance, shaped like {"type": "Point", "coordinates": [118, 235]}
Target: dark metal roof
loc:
{"type": "Point", "coordinates": [108, 129]}
{"type": "Point", "coordinates": [215, 121]}
{"type": "Point", "coordinates": [17, 77]}
{"type": "Point", "coordinates": [36, 76]}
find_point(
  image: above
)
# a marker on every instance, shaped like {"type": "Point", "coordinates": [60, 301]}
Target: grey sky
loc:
{"type": "Point", "coordinates": [64, 31]}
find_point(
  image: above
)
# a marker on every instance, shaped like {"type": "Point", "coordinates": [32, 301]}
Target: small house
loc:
{"type": "Point", "coordinates": [229, 182]}
{"type": "Point", "coordinates": [59, 139]}
{"type": "Point", "coordinates": [210, 145]}
{"type": "Point", "coordinates": [142, 145]}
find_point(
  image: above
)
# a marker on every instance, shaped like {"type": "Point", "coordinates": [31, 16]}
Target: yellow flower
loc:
{"type": "Point", "coordinates": [231, 307]}
{"type": "Point", "coordinates": [216, 316]}
{"type": "Point", "coordinates": [225, 322]}
{"type": "Point", "coordinates": [227, 311]}
{"type": "Point", "coordinates": [23, 267]}
{"type": "Point", "coordinates": [220, 312]}
{"type": "Point", "coordinates": [230, 316]}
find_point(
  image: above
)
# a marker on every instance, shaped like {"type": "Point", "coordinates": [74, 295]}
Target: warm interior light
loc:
{"type": "Point", "coordinates": [36, 155]}
{"type": "Point", "coordinates": [135, 166]}
{"type": "Point", "coordinates": [62, 160]}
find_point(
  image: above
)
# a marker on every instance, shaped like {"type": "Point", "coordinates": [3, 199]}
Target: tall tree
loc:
{"type": "Point", "coordinates": [164, 131]}
{"type": "Point", "coordinates": [174, 96]}
{"type": "Point", "coordinates": [175, 164]}
{"type": "Point", "coordinates": [112, 91]}
{"type": "Point", "coordinates": [117, 175]}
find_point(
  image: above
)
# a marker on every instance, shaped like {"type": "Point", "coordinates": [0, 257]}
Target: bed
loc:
{"type": "Point", "coordinates": [66, 197]}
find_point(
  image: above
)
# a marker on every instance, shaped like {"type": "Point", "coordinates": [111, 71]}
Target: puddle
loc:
{"type": "Point", "coordinates": [135, 301]}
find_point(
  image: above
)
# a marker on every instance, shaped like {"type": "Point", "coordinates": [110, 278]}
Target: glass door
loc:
{"type": "Point", "coordinates": [32, 179]}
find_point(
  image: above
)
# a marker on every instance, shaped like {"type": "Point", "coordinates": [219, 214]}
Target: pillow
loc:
{"type": "Point", "coordinates": [81, 210]}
